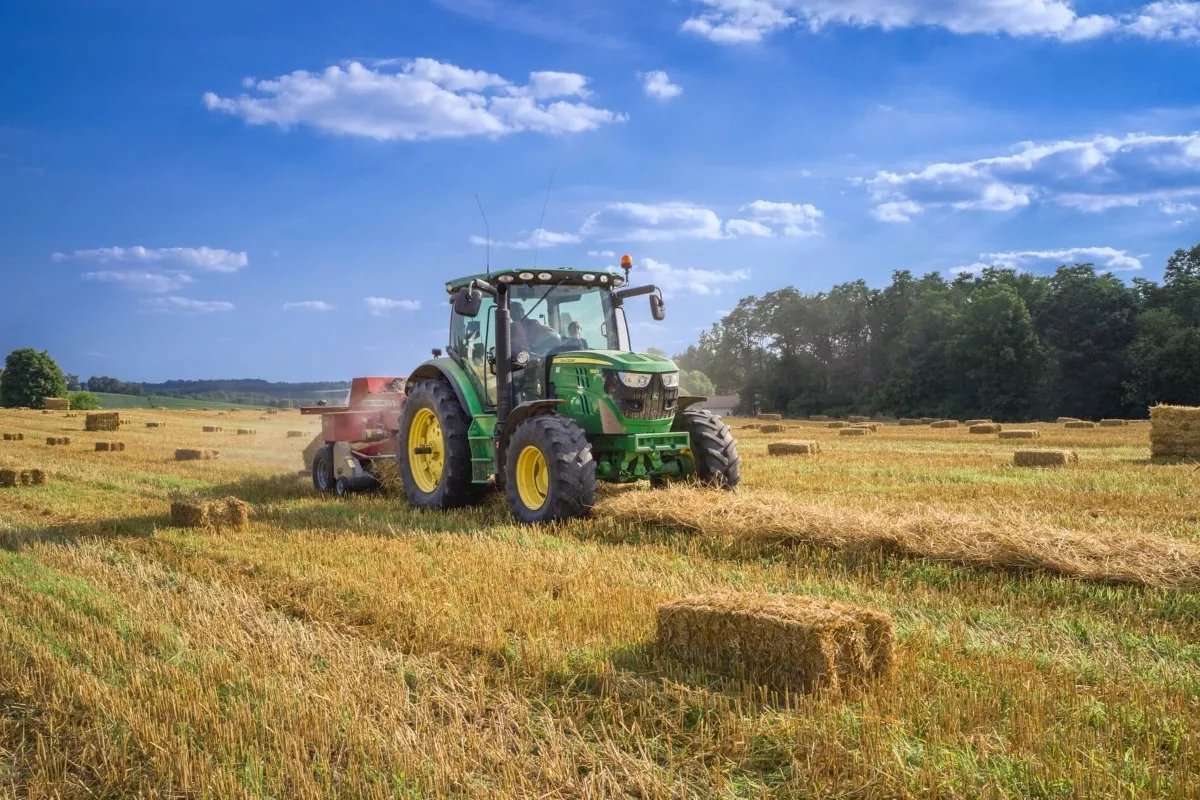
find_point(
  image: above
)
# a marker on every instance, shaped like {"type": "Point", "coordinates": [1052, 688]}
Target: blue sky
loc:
{"type": "Point", "coordinates": [279, 190]}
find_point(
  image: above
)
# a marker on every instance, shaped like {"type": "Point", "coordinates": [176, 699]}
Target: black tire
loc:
{"type": "Point", "coordinates": [322, 470]}
{"type": "Point", "coordinates": [713, 448]}
{"type": "Point", "coordinates": [571, 471]}
{"type": "Point", "coordinates": [454, 489]}
{"type": "Point", "coordinates": [341, 487]}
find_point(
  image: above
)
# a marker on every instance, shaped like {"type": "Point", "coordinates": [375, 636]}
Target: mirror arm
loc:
{"type": "Point", "coordinates": [636, 291]}
{"type": "Point", "coordinates": [482, 286]}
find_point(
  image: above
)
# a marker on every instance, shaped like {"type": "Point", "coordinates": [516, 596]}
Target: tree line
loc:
{"type": "Point", "coordinates": [1000, 344]}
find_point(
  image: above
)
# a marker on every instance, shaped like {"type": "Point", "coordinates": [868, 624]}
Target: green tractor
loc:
{"type": "Point", "coordinates": [540, 391]}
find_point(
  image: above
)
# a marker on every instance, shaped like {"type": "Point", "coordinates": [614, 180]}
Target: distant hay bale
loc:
{"type": "Point", "coordinates": [977, 422]}
{"type": "Point", "coordinates": [36, 477]}
{"type": "Point", "coordinates": [1061, 420]}
{"type": "Point", "coordinates": [246, 432]}
{"type": "Point", "coordinates": [854, 432]}
{"type": "Point", "coordinates": [944, 423]}
{"type": "Point", "coordinates": [838, 424]}
{"type": "Point", "coordinates": [295, 434]}
{"type": "Point", "coordinates": [14, 437]}
{"type": "Point", "coordinates": [1175, 432]}
{"type": "Point", "coordinates": [1113, 423]}
{"type": "Point", "coordinates": [1044, 458]}
{"type": "Point", "coordinates": [858, 418]}
{"type": "Point", "coordinates": [984, 427]}
{"type": "Point", "coordinates": [819, 417]}
{"type": "Point", "coordinates": [212, 429]}
{"type": "Point", "coordinates": [229, 512]}
{"type": "Point", "coordinates": [772, 429]}
{"type": "Point", "coordinates": [55, 441]}
{"type": "Point", "coordinates": [113, 447]}
{"type": "Point", "coordinates": [8, 477]}
{"type": "Point", "coordinates": [753, 426]}
{"type": "Point", "coordinates": [770, 417]}
{"type": "Point", "coordinates": [787, 643]}
{"type": "Point", "coordinates": [103, 421]}
{"type": "Point", "coordinates": [908, 422]}
{"type": "Point", "coordinates": [156, 424]}
{"type": "Point", "coordinates": [871, 426]}
{"type": "Point", "coordinates": [793, 448]}
{"type": "Point", "coordinates": [1079, 425]}
{"type": "Point", "coordinates": [57, 403]}
{"type": "Point", "coordinates": [1020, 434]}
{"type": "Point", "coordinates": [272, 411]}
{"type": "Point", "coordinates": [196, 455]}
{"type": "Point", "coordinates": [928, 420]}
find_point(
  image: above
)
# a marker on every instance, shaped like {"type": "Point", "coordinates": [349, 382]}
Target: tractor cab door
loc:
{"type": "Point", "coordinates": [473, 339]}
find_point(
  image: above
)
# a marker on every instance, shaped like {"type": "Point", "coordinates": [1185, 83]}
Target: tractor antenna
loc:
{"type": "Point", "coordinates": [487, 230]}
{"type": "Point", "coordinates": [537, 242]}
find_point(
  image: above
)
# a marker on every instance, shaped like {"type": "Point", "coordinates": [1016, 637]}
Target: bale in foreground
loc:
{"type": "Point", "coordinates": [793, 448]}
{"type": "Point", "coordinates": [103, 421]}
{"type": "Point", "coordinates": [785, 642]}
{"type": "Point", "coordinates": [56, 404]}
{"type": "Point", "coordinates": [227, 513]}
{"type": "Point", "coordinates": [772, 428]}
{"type": "Point", "coordinates": [1044, 458]}
{"type": "Point", "coordinates": [1175, 432]}
{"type": "Point", "coordinates": [196, 455]}
{"type": "Point", "coordinates": [23, 477]}
{"type": "Point", "coordinates": [1020, 434]}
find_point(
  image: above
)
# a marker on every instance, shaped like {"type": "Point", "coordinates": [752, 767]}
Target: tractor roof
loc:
{"type": "Point", "coordinates": [600, 278]}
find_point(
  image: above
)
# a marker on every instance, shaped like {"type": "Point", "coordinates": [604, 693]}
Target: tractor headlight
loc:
{"type": "Point", "coordinates": [670, 379]}
{"type": "Point", "coordinates": [635, 380]}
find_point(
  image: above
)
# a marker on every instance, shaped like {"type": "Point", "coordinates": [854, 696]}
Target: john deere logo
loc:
{"type": "Point", "coordinates": [654, 396]}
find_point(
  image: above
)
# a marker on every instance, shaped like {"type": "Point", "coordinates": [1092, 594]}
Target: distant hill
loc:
{"type": "Point", "coordinates": [109, 400]}
{"type": "Point", "coordinates": [249, 391]}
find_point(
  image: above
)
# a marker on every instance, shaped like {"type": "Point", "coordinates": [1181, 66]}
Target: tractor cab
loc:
{"type": "Point", "coordinates": [541, 392]}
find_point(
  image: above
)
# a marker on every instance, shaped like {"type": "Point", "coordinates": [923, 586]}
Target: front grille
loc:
{"type": "Point", "coordinates": [653, 402]}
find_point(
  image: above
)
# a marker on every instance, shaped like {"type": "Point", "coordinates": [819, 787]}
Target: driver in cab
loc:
{"type": "Point", "coordinates": [530, 334]}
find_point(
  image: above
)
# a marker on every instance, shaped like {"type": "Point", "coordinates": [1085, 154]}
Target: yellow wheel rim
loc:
{"type": "Point", "coordinates": [533, 478]}
{"type": "Point", "coordinates": [425, 452]}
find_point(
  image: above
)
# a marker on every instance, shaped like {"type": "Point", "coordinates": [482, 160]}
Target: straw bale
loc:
{"type": "Point", "coordinates": [156, 424]}
{"type": "Point", "coordinates": [1175, 432]}
{"type": "Point", "coordinates": [37, 477]}
{"type": "Point", "coordinates": [229, 512]}
{"type": "Point", "coordinates": [977, 422]}
{"type": "Point", "coordinates": [928, 420]}
{"type": "Point", "coordinates": [295, 434]}
{"type": "Point", "coordinates": [858, 418]}
{"type": "Point", "coordinates": [47, 411]}
{"type": "Point", "coordinates": [103, 421]}
{"type": "Point", "coordinates": [772, 429]}
{"type": "Point", "coordinates": [58, 440]}
{"type": "Point", "coordinates": [8, 477]}
{"type": "Point", "coordinates": [272, 411]}
{"type": "Point", "coordinates": [793, 448]}
{"type": "Point", "coordinates": [1044, 458]}
{"type": "Point", "coordinates": [101, 447]}
{"type": "Point", "coordinates": [819, 417]}
{"type": "Point", "coordinates": [1113, 423]}
{"type": "Point", "coordinates": [871, 426]}
{"type": "Point", "coordinates": [246, 431]}
{"type": "Point", "coordinates": [14, 437]}
{"type": "Point", "coordinates": [838, 424]}
{"type": "Point", "coordinates": [1061, 420]}
{"type": "Point", "coordinates": [1020, 434]}
{"type": "Point", "coordinates": [212, 429]}
{"type": "Point", "coordinates": [114, 447]}
{"type": "Point", "coordinates": [854, 432]}
{"type": "Point", "coordinates": [908, 422]}
{"type": "Point", "coordinates": [753, 426]}
{"type": "Point", "coordinates": [787, 643]}
{"type": "Point", "coordinates": [1079, 425]}
{"type": "Point", "coordinates": [944, 423]}
{"type": "Point", "coordinates": [196, 455]}
{"type": "Point", "coordinates": [770, 417]}
{"type": "Point", "coordinates": [984, 427]}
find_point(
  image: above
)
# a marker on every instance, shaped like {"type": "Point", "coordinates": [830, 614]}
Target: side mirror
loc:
{"type": "Point", "coordinates": [658, 309]}
{"type": "Point", "coordinates": [468, 301]}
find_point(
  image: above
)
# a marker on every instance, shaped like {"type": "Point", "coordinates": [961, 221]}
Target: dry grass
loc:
{"type": "Point", "coordinates": [360, 649]}
{"type": "Point", "coordinates": [770, 417]}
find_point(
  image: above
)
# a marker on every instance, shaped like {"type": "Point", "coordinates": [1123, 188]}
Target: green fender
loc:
{"type": "Point", "coordinates": [447, 369]}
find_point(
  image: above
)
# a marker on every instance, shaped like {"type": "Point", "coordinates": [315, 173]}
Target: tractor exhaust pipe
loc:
{"type": "Point", "coordinates": [503, 373]}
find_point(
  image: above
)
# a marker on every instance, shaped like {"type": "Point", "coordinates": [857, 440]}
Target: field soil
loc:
{"type": "Point", "coordinates": [1048, 624]}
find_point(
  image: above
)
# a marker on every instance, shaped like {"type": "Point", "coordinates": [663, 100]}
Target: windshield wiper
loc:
{"type": "Point", "coordinates": [543, 297]}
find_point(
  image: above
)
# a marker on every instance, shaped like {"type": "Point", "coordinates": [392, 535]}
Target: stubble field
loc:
{"type": "Point", "coordinates": [1048, 623]}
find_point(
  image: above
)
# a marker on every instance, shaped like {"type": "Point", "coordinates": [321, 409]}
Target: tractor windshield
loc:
{"type": "Point", "coordinates": [560, 318]}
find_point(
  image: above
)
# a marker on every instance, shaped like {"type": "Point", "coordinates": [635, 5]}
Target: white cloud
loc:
{"type": "Point", "coordinates": [1093, 175]}
{"type": "Point", "coordinates": [790, 219]}
{"type": "Point", "coordinates": [747, 227]}
{"type": "Point", "coordinates": [642, 222]}
{"type": "Point", "coordinates": [203, 259]}
{"type": "Point", "coordinates": [140, 281]}
{"type": "Point", "coordinates": [1178, 208]}
{"type": "Point", "coordinates": [184, 305]}
{"type": "Point", "coordinates": [602, 254]}
{"type": "Point", "coordinates": [1106, 257]}
{"type": "Point", "coordinates": [536, 239]}
{"type": "Point", "coordinates": [656, 84]}
{"type": "Point", "coordinates": [676, 280]}
{"type": "Point", "coordinates": [425, 99]}
{"type": "Point", "coordinates": [382, 306]}
{"type": "Point", "coordinates": [749, 21]}
{"type": "Point", "coordinates": [308, 305]}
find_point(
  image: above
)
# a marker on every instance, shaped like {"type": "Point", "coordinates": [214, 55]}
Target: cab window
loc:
{"type": "Point", "coordinates": [473, 339]}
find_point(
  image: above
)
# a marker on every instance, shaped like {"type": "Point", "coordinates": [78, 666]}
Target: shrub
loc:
{"type": "Point", "coordinates": [84, 401]}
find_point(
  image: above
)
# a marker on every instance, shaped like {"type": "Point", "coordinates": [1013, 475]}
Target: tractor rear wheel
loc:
{"type": "Point", "coordinates": [322, 470]}
{"type": "Point", "coordinates": [433, 455]}
{"type": "Point", "coordinates": [549, 471]}
{"type": "Point", "coordinates": [714, 450]}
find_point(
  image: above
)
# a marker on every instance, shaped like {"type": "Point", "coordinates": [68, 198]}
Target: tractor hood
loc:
{"type": "Point", "coordinates": [617, 359]}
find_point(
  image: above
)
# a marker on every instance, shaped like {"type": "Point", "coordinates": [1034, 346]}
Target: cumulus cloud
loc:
{"type": "Point", "coordinates": [747, 227]}
{"type": "Point", "coordinates": [748, 21]}
{"type": "Point", "coordinates": [538, 238]}
{"type": "Point", "coordinates": [643, 222]}
{"type": "Point", "coordinates": [602, 254]}
{"type": "Point", "coordinates": [1091, 175]}
{"type": "Point", "coordinates": [424, 99]}
{"type": "Point", "coordinates": [686, 280]}
{"type": "Point", "coordinates": [656, 84]}
{"type": "Point", "coordinates": [308, 305]}
{"type": "Point", "coordinates": [202, 259]}
{"type": "Point", "coordinates": [1108, 257]}
{"type": "Point", "coordinates": [766, 218]}
{"type": "Point", "coordinates": [184, 305]}
{"type": "Point", "coordinates": [139, 280]}
{"type": "Point", "coordinates": [382, 306]}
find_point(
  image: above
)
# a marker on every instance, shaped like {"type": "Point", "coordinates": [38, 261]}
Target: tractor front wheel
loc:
{"type": "Point", "coordinates": [549, 472]}
{"type": "Point", "coordinates": [433, 454]}
{"type": "Point", "coordinates": [714, 450]}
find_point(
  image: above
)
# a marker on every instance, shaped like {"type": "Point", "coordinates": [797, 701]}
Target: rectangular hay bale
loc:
{"type": "Point", "coordinates": [1079, 425]}
{"type": "Point", "coordinates": [908, 422]}
{"type": "Point", "coordinates": [787, 643]}
{"type": "Point", "coordinates": [772, 429]}
{"type": "Point", "coordinates": [977, 422]}
{"type": "Point", "coordinates": [1175, 432]}
{"type": "Point", "coordinates": [1044, 458]}
{"type": "Point", "coordinates": [854, 432]}
{"type": "Point", "coordinates": [793, 448]}
{"type": "Point", "coordinates": [8, 477]}
{"type": "Point", "coordinates": [984, 427]}
{"type": "Point", "coordinates": [55, 441]}
{"type": "Point", "coordinates": [295, 434]}
{"type": "Point", "coordinates": [229, 512]}
{"type": "Point", "coordinates": [1061, 420]}
{"type": "Point", "coordinates": [246, 431]}
{"type": "Point", "coordinates": [1113, 423]}
{"type": "Point", "coordinates": [102, 421]}
{"type": "Point", "coordinates": [944, 423]}
{"type": "Point", "coordinates": [56, 403]}
{"type": "Point", "coordinates": [1020, 434]}
{"type": "Point", "coordinates": [212, 429]}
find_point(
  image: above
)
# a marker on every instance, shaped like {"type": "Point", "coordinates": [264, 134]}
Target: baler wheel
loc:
{"type": "Point", "coordinates": [322, 470]}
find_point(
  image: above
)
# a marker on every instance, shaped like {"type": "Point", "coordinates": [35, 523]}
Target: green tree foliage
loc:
{"type": "Point", "coordinates": [29, 378]}
{"type": "Point", "coordinates": [84, 401]}
{"type": "Point", "coordinates": [998, 344]}
{"type": "Point", "coordinates": [103, 383]}
{"type": "Point", "coordinates": [695, 382]}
